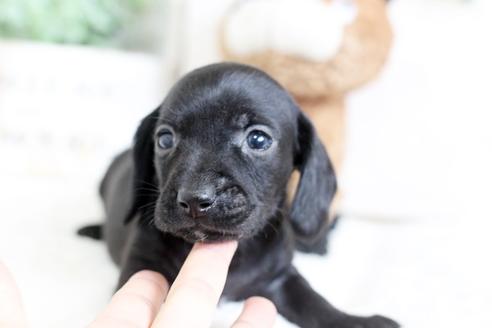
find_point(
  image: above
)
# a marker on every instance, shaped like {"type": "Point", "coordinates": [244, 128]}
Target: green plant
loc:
{"type": "Point", "coordinates": [67, 21]}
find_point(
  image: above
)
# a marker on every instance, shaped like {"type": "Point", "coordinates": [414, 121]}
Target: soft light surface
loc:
{"type": "Point", "coordinates": [415, 244]}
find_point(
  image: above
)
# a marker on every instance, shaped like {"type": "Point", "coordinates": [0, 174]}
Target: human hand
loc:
{"type": "Point", "coordinates": [146, 300]}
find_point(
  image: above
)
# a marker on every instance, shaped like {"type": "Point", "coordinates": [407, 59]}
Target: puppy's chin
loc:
{"type": "Point", "coordinates": [218, 225]}
{"type": "Point", "coordinates": [196, 231]}
{"type": "Point", "coordinates": [199, 235]}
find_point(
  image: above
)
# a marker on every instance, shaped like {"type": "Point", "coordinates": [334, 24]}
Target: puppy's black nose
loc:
{"type": "Point", "coordinates": [196, 202]}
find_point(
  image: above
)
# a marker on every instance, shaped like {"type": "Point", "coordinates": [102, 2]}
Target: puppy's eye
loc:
{"type": "Point", "coordinates": [165, 139]}
{"type": "Point", "coordinates": [259, 140]}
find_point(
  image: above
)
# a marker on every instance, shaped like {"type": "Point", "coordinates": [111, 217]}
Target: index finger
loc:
{"type": "Point", "coordinates": [194, 295]}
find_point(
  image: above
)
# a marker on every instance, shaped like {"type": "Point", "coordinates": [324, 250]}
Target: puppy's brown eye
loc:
{"type": "Point", "coordinates": [165, 139]}
{"type": "Point", "coordinates": [259, 140]}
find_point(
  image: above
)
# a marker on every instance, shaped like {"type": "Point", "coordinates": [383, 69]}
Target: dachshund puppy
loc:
{"type": "Point", "coordinates": [212, 163]}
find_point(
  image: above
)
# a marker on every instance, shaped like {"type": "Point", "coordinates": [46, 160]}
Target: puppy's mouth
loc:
{"type": "Point", "coordinates": [203, 234]}
{"type": "Point", "coordinates": [228, 219]}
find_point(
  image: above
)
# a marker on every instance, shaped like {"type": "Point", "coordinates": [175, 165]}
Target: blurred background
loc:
{"type": "Point", "coordinates": [414, 240]}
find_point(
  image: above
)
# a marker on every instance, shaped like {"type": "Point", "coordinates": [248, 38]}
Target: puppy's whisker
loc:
{"type": "Point", "coordinates": [151, 222]}
{"type": "Point", "coordinates": [148, 189]}
{"type": "Point", "coordinates": [149, 206]}
{"type": "Point", "coordinates": [148, 216]}
{"type": "Point", "coordinates": [146, 192]}
{"type": "Point", "coordinates": [147, 183]}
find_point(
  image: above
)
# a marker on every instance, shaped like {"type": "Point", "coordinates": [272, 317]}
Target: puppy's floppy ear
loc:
{"type": "Point", "coordinates": [317, 184]}
{"type": "Point", "coordinates": [143, 159]}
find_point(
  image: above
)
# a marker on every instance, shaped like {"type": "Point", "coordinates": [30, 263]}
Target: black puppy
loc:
{"type": "Point", "coordinates": [212, 163]}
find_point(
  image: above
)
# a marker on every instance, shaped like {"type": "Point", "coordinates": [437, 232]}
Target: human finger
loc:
{"type": "Point", "coordinates": [136, 304]}
{"type": "Point", "coordinates": [258, 312]}
{"type": "Point", "coordinates": [194, 295]}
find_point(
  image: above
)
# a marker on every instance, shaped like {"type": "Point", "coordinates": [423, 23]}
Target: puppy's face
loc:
{"type": "Point", "coordinates": [223, 150]}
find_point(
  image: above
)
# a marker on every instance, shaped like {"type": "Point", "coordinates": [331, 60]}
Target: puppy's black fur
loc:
{"type": "Point", "coordinates": [212, 163]}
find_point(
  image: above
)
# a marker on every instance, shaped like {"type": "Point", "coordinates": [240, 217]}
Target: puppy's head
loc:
{"type": "Point", "coordinates": [219, 152]}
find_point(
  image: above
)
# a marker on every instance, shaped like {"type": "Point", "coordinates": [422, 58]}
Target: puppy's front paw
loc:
{"type": "Point", "coordinates": [375, 321]}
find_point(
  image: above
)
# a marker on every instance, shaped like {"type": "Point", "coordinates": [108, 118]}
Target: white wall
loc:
{"type": "Point", "coordinates": [420, 137]}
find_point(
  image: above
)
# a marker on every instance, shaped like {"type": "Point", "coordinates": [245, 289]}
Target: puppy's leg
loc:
{"type": "Point", "coordinates": [148, 249]}
{"type": "Point", "coordinates": [135, 263]}
{"type": "Point", "coordinates": [300, 304]}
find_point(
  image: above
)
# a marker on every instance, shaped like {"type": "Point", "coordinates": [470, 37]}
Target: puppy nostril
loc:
{"type": "Point", "coordinates": [205, 205]}
{"type": "Point", "coordinates": [195, 203]}
{"type": "Point", "coordinates": [184, 205]}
